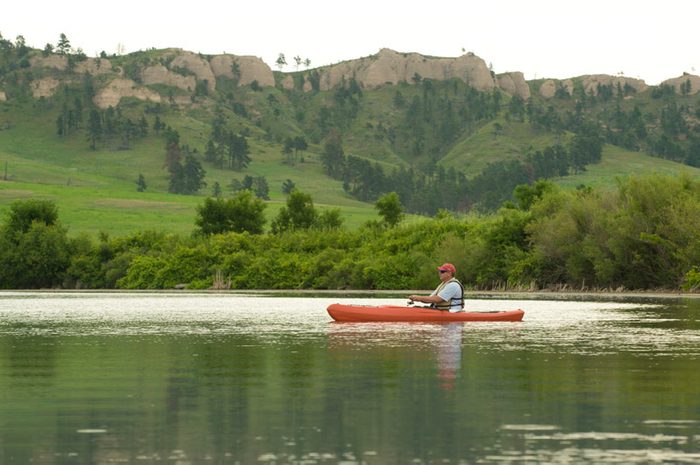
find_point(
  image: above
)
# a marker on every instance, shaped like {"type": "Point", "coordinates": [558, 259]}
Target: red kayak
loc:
{"type": "Point", "coordinates": [357, 313]}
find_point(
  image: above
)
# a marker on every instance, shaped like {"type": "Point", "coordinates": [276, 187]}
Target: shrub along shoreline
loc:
{"type": "Point", "coordinates": [645, 235]}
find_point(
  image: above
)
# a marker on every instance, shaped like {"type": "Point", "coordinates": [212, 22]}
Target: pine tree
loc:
{"type": "Point", "coordinates": [94, 128]}
{"type": "Point", "coordinates": [238, 151]}
{"type": "Point", "coordinates": [141, 183]}
{"type": "Point", "coordinates": [63, 45]}
{"type": "Point", "coordinates": [332, 157]}
{"type": "Point", "coordinates": [193, 175]}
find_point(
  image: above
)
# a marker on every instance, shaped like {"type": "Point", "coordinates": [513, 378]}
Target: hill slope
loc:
{"type": "Point", "coordinates": [413, 133]}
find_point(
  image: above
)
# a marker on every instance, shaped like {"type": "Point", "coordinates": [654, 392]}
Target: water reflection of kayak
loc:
{"type": "Point", "coordinates": [343, 312]}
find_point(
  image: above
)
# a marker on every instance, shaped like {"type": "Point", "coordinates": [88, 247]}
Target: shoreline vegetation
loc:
{"type": "Point", "coordinates": [376, 293]}
{"type": "Point", "coordinates": [643, 236]}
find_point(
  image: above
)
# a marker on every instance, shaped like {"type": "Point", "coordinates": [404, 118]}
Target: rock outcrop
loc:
{"type": "Point", "coordinates": [59, 62]}
{"type": "Point", "coordinates": [390, 67]}
{"type": "Point", "coordinates": [120, 88]}
{"type": "Point", "coordinates": [288, 83]}
{"type": "Point", "coordinates": [183, 70]}
{"type": "Point", "coordinates": [514, 84]}
{"type": "Point", "coordinates": [94, 66]}
{"type": "Point", "coordinates": [681, 81]}
{"type": "Point", "coordinates": [590, 84]}
{"type": "Point", "coordinates": [44, 87]}
{"type": "Point", "coordinates": [197, 65]}
{"type": "Point", "coordinates": [249, 69]}
{"type": "Point", "coordinates": [548, 89]}
{"type": "Point", "coordinates": [159, 74]}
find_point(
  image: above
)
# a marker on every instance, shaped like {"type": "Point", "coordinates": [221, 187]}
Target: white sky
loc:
{"type": "Point", "coordinates": [653, 41]}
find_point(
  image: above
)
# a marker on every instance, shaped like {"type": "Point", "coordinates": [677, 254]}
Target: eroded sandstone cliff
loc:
{"type": "Point", "coordinates": [590, 84]}
{"type": "Point", "coordinates": [679, 81]}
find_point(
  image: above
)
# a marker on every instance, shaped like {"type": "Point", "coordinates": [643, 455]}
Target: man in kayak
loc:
{"type": "Point", "coordinates": [449, 295]}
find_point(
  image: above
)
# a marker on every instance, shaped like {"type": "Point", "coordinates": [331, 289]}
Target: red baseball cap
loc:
{"type": "Point", "coordinates": [448, 267]}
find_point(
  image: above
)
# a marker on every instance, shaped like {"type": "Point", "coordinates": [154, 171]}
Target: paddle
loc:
{"type": "Point", "coordinates": [412, 303]}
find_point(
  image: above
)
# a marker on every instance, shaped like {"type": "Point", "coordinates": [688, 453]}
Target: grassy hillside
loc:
{"type": "Point", "coordinates": [119, 211]}
{"type": "Point", "coordinates": [96, 190]}
{"type": "Point", "coordinates": [420, 127]}
{"type": "Point", "coordinates": [619, 163]}
{"type": "Point", "coordinates": [496, 141]}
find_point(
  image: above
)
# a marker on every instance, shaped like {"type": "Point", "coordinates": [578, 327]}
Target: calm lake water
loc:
{"type": "Point", "coordinates": [230, 379]}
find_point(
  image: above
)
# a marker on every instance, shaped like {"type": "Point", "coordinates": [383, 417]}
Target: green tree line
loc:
{"type": "Point", "coordinates": [643, 235]}
{"type": "Point", "coordinates": [427, 192]}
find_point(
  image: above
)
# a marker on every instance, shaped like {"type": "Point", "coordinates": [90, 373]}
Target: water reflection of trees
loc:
{"type": "Point", "coordinates": [377, 392]}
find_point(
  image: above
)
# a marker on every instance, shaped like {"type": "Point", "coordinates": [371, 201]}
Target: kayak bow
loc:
{"type": "Point", "coordinates": [359, 313]}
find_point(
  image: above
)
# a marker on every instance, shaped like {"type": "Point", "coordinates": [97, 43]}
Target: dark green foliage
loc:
{"type": "Point", "coordinates": [399, 100]}
{"type": "Point", "coordinates": [216, 190]}
{"type": "Point", "coordinates": [292, 147]}
{"type": "Point", "coordinates": [288, 186]}
{"type": "Point", "coordinates": [646, 235]}
{"type": "Point", "coordinates": [103, 127]}
{"type": "Point", "coordinates": [227, 149]}
{"type": "Point", "coordinates": [299, 213]}
{"type": "Point", "coordinates": [34, 249]}
{"type": "Point", "coordinates": [258, 185]}
{"type": "Point", "coordinates": [585, 149]}
{"type": "Point", "coordinates": [193, 175]}
{"type": "Point", "coordinates": [643, 236]}
{"type": "Point", "coordinates": [527, 195]}
{"type": "Point", "coordinates": [693, 157]}
{"type": "Point", "coordinates": [663, 91]}
{"type": "Point", "coordinates": [187, 177]}
{"type": "Point", "coordinates": [141, 183]}
{"type": "Point", "coordinates": [425, 194]}
{"type": "Point", "coordinates": [63, 47]}
{"type": "Point", "coordinates": [261, 188]}
{"type": "Point", "coordinates": [158, 125]}
{"type": "Point", "coordinates": [329, 219]}
{"type": "Point", "coordinates": [332, 156]}
{"type": "Point", "coordinates": [94, 128]}
{"type": "Point", "coordinates": [242, 213]}
{"type": "Point", "coordinates": [686, 87]}
{"type": "Point", "coordinates": [214, 154]}
{"type": "Point", "coordinates": [516, 109]}
{"type": "Point", "coordinates": [201, 88]}
{"type": "Point", "coordinates": [23, 214]}
{"type": "Point", "coordinates": [390, 209]}
{"type": "Point", "coordinates": [435, 118]}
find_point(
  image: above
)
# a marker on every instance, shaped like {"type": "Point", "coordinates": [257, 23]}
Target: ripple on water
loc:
{"type": "Point", "coordinates": [595, 456]}
{"type": "Point", "coordinates": [577, 327]}
{"type": "Point", "coordinates": [530, 427]}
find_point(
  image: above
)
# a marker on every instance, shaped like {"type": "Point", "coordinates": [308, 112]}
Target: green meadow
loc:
{"type": "Point", "coordinates": [619, 164]}
{"type": "Point", "coordinates": [85, 209]}
{"type": "Point", "coordinates": [96, 190]}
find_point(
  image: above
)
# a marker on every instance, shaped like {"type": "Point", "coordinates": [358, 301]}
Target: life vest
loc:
{"type": "Point", "coordinates": [448, 304]}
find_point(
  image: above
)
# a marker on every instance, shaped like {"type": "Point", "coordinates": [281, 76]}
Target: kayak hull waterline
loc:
{"type": "Point", "coordinates": [361, 313]}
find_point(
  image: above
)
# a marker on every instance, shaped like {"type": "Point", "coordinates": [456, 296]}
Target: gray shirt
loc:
{"type": "Point", "coordinates": [451, 290]}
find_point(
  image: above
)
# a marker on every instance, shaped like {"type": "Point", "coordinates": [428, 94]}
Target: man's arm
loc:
{"type": "Point", "coordinates": [427, 299]}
